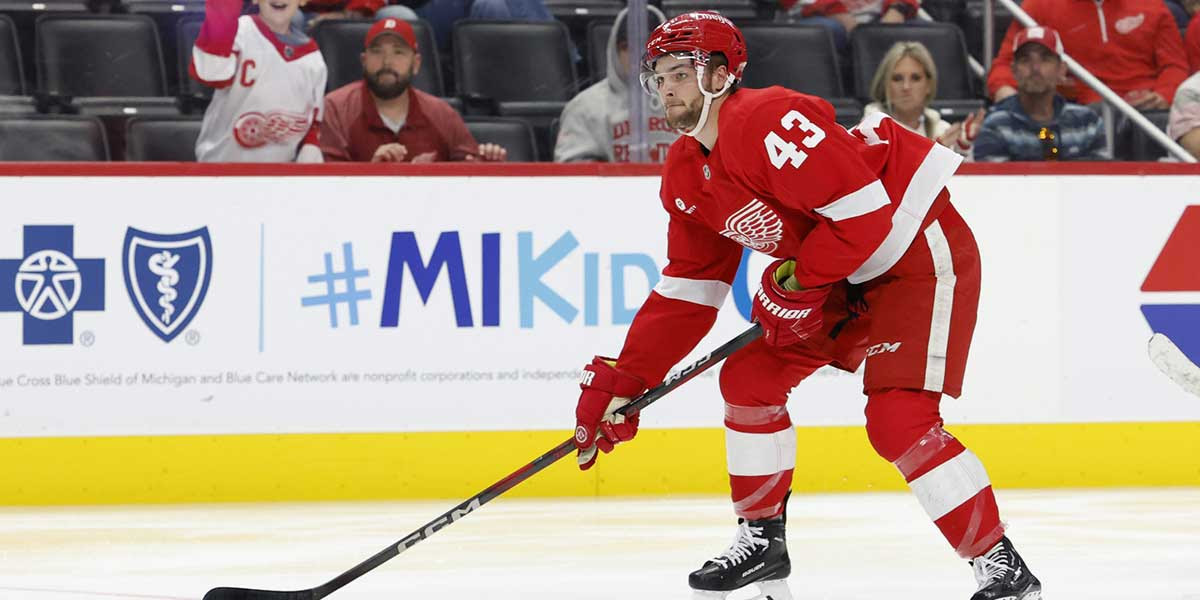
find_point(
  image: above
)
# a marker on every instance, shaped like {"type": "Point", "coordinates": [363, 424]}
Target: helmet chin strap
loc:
{"type": "Point", "coordinates": [708, 98]}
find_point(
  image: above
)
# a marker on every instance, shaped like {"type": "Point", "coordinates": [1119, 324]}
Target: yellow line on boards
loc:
{"type": "Point", "coordinates": [456, 465]}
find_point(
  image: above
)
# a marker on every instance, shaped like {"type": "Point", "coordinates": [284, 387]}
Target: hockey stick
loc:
{"type": "Point", "coordinates": [651, 396]}
{"type": "Point", "coordinates": [1174, 363]}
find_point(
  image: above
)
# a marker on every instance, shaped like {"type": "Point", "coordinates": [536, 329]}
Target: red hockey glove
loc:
{"type": "Point", "coordinates": [605, 389]}
{"type": "Point", "coordinates": [787, 313]}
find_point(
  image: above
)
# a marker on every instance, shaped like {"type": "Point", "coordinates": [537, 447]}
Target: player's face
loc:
{"type": "Point", "coordinates": [278, 13]}
{"type": "Point", "coordinates": [1037, 69]}
{"type": "Point", "coordinates": [675, 81]}
{"type": "Point", "coordinates": [908, 87]}
{"type": "Point", "coordinates": [389, 65]}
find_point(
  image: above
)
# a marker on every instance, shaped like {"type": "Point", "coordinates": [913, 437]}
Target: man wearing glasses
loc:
{"type": "Point", "coordinates": [1037, 123]}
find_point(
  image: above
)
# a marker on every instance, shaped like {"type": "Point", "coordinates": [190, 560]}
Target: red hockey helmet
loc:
{"type": "Point", "coordinates": [697, 35]}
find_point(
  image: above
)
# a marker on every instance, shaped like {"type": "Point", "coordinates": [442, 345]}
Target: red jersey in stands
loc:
{"type": "Point", "coordinates": [786, 180]}
{"type": "Point", "coordinates": [269, 92]}
{"type": "Point", "coordinates": [1128, 44]}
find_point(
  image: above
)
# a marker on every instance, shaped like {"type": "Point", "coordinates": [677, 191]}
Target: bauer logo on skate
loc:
{"type": "Point", "coordinates": [1175, 271]}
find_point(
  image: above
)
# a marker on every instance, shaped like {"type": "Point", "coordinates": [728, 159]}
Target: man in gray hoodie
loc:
{"type": "Point", "coordinates": [595, 123]}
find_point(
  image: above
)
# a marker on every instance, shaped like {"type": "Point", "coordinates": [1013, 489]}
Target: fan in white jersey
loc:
{"type": "Point", "coordinates": [269, 81]}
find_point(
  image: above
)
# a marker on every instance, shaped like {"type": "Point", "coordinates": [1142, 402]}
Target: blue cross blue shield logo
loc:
{"type": "Point", "coordinates": [49, 284]}
{"type": "Point", "coordinates": [167, 277]}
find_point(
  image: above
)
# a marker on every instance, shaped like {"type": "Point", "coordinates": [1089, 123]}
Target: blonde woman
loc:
{"type": "Point", "coordinates": [905, 84]}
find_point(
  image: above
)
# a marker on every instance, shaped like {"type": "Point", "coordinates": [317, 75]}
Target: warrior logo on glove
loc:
{"type": "Point", "coordinates": [787, 313]}
{"type": "Point", "coordinates": [597, 424]}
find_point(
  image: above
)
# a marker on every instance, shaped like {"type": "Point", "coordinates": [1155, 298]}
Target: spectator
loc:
{"type": "Point", "coordinates": [905, 84]}
{"type": "Point", "coordinates": [595, 123]}
{"type": "Point", "coordinates": [840, 17]}
{"type": "Point", "coordinates": [1191, 38]}
{"type": "Point", "coordinates": [1184, 123]}
{"type": "Point", "coordinates": [1037, 123]}
{"type": "Point", "coordinates": [269, 80]}
{"type": "Point", "coordinates": [382, 118]}
{"type": "Point", "coordinates": [1133, 46]}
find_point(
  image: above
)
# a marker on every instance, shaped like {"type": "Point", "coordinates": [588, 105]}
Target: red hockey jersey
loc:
{"type": "Point", "coordinates": [786, 180]}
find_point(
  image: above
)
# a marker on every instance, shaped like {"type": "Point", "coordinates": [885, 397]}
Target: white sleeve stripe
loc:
{"type": "Point", "coordinates": [211, 67]}
{"type": "Point", "coordinates": [870, 198]}
{"type": "Point", "coordinates": [707, 292]}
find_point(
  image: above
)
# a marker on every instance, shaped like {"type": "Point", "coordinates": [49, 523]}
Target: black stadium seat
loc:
{"type": "Point", "coordinates": [516, 68]}
{"type": "Point", "coordinates": [1131, 143]}
{"type": "Point", "coordinates": [195, 95]}
{"type": "Point", "coordinates": [973, 27]}
{"type": "Point", "coordinates": [161, 139]}
{"type": "Point", "coordinates": [108, 64]}
{"type": "Point", "coordinates": [341, 43]}
{"type": "Point", "coordinates": [12, 76]}
{"type": "Point", "coordinates": [798, 57]}
{"type": "Point", "coordinates": [514, 61]}
{"type": "Point", "coordinates": [597, 49]}
{"type": "Point", "coordinates": [60, 138]}
{"type": "Point", "coordinates": [870, 43]}
{"type": "Point", "coordinates": [514, 134]}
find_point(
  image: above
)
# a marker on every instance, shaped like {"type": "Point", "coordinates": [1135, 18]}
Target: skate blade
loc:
{"type": "Point", "coordinates": [767, 590]}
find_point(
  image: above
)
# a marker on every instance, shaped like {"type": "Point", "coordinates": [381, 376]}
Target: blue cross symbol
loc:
{"type": "Point", "coordinates": [49, 284]}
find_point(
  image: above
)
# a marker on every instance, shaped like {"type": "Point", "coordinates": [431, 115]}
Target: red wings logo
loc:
{"type": "Point", "coordinates": [254, 129]}
{"type": "Point", "coordinates": [755, 226]}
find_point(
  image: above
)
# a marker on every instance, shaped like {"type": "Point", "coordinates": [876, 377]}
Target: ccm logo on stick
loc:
{"type": "Point", "coordinates": [443, 521]}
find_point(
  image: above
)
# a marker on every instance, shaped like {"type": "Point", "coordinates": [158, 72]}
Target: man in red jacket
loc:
{"type": "Point", "coordinates": [1133, 46]}
{"type": "Point", "coordinates": [872, 262]}
{"type": "Point", "coordinates": [382, 118]}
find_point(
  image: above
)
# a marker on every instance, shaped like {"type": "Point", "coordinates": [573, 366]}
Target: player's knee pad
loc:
{"type": "Point", "coordinates": [755, 402]}
{"type": "Point", "coordinates": [898, 418]}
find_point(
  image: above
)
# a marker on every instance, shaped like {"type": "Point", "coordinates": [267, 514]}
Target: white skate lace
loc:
{"type": "Point", "coordinates": [991, 566]}
{"type": "Point", "coordinates": [744, 542]}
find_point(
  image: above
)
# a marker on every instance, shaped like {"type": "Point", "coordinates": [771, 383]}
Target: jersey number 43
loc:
{"type": "Point", "coordinates": [781, 151]}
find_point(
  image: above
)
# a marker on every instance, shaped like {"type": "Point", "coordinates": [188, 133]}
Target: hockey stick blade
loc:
{"type": "Point", "coordinates": [1174, 363]}
{"type": "Point", "coordinates": [228, 593]}
{"type": "Point", "coordinates": [492, 492]}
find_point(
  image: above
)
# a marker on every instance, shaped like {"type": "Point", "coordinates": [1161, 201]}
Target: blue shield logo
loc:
{"type": "Point", "coordinates": [167, 277]}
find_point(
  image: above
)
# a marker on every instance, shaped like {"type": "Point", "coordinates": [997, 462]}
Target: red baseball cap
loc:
{"type": "Point", "coordinates": [395, 27]}
{"type": "Point", "coordinates": [1046, 37]}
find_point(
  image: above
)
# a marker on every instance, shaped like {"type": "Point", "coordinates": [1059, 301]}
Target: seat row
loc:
{"type": "Point", "coordinates": [504, 61]}
{"type": "Point", "coordinates": [60, 138]}
{"type": "Point", "coordinates": [73, 138]}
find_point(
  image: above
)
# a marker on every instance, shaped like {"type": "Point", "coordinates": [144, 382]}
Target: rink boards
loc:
{"type": "Point", "coordinates": [177, 334]}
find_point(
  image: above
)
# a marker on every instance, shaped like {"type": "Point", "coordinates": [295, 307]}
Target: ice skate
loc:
{"type": "Point", "coordinates": [757, 556]}
{"type": "Point", "coordinates": [775, 589]}
{"type": "Point", "coordinates": [1003, 575]}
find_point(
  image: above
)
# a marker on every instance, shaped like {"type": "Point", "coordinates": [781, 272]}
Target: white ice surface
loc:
{"type": "Point", "coordinates": [1084, 545]}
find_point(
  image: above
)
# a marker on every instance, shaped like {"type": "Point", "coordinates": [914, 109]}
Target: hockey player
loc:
{"type": "Point", "coordinates": [269, 80]}
{"type": "Point", "coordinates": [873, 262]}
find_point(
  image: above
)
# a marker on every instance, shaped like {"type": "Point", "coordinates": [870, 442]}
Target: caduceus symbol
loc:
{"type": "Point", "coordinates": [162, 264]}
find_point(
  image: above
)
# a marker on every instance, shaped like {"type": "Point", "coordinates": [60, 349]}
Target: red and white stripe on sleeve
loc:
{"type": "Point", "coordinates": [683, 306]}
{"type": "Point", "coordinates": [214, 62]}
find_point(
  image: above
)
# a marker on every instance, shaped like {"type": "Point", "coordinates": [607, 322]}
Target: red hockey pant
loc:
{"type": "Point", "coordinates": [916, 331]}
